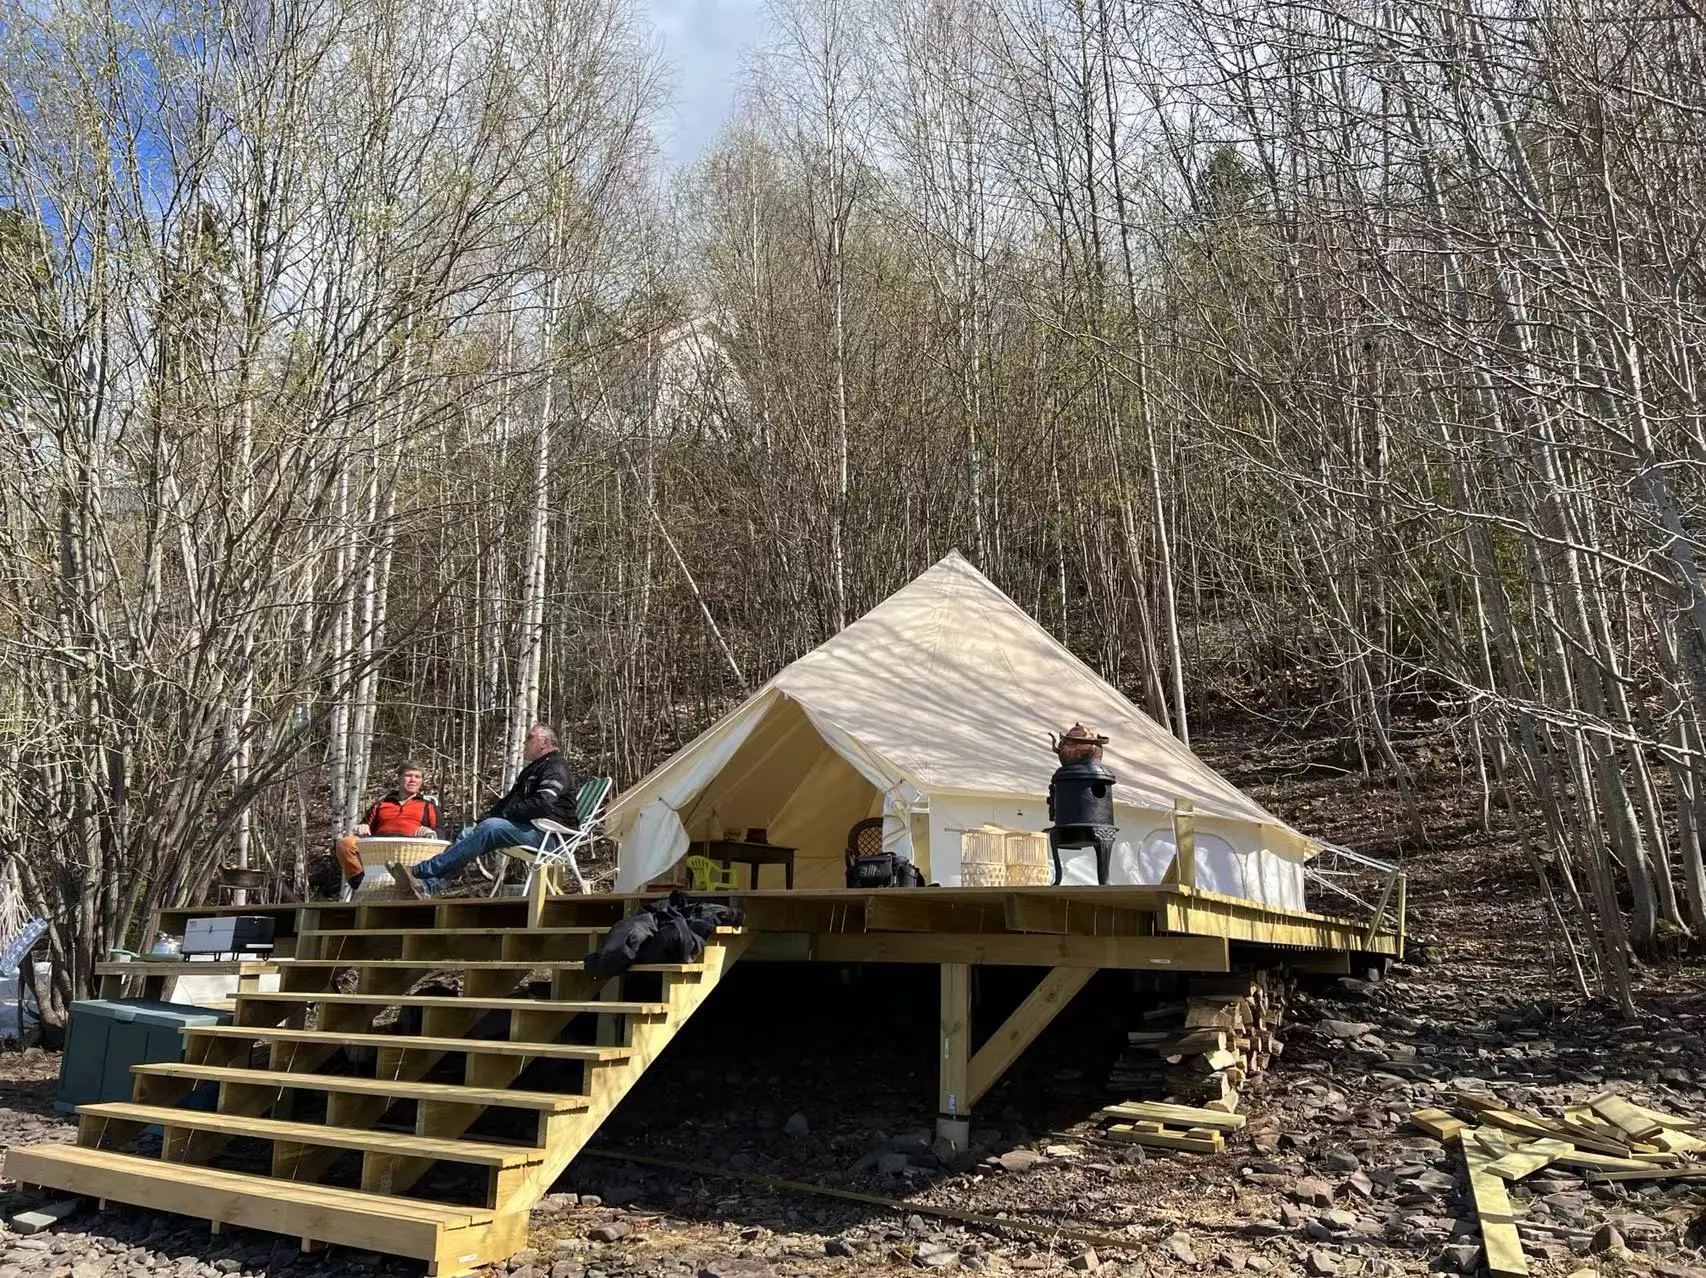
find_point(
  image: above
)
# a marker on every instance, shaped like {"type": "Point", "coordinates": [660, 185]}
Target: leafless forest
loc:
{"type": "Point", "coordinates": [368, 384]}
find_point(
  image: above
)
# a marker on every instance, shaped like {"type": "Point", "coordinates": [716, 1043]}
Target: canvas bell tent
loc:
{"type": "Point", "coordinates": [933, 711]}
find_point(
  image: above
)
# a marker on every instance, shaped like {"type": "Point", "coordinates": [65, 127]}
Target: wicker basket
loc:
{"type": "Point", "coordinates": [982, 874]}
{"type": "Point", "coordinates": [1026, 859]}
{"type": "Point", "coordinates": [997, 857]}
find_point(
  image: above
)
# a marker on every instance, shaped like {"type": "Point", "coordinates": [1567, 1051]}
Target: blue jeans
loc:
{"type": "Point", "coordinates": [489, 835]}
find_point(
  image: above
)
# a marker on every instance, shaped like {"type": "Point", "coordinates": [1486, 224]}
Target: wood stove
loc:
{"type": "Point", "coordinates": [1081, 799]}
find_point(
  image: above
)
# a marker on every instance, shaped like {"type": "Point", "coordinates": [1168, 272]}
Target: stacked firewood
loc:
{"type": "Point", "coordinates": [1201, 1049]}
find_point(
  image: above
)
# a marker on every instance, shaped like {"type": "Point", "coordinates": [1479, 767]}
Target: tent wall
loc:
{"type": "Point", "coordinates": [774, 771]}
{"type": "Point", "coordinates": [817, 817]}
{"type": "Point", "coordinates": [1230, 857]}
{"type": "Point", "coordinates": [752, 787]}
{"type": "Point", "coordinates": [648, 827]}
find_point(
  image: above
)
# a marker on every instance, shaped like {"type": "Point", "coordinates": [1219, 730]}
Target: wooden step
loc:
{"type": "Point", "coordinates": [411, 1042]}
{"type": "Point", "coordinates": [459, 932]}
{"type": "Point", "coordinates": [399, 1144]}
{"type": "Point", "coordinates": [611, 1007]}
{"type": "Point", "coordinates": [545, 1102]}
{"type": "Point", "coordinates": [456, 1240]}
{"type": "Point", "coordinates": [580, 930]}
{"type": "Point", "coordinates": [482, 965]}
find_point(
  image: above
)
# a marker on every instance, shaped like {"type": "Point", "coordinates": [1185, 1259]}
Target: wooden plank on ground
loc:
{"type": "Point", "coordinates": [1675, 1142]}
{"type": "Point", "coordinates": [1490, 1141]}
{"type": "Point", "coordinates": [1438, 1124]}
{"type": "Point", "coordinates": [1537, 1128]}
{"type": "Point", "coordinates": [1208, 1143]}
{"type": "Point", "coordinates": [1673, 1122]}
{"type": "Point", "coordinates": [1177, 1115]}
{"type": "Point", "coordinates": [1620, 1113]}
{"type": "Point", "coordinates": [1493, 1207]}
{"type": "Point", "coordinates": [1651, 1173]}
{"type": "Point", "coordinates": [1477, 1100]}
{"type": "Point", "coordinates": [1587, 1160]}
{"type": "Point", "coordinates": [1581, 1118]}
{"type": "Point", "coordinates": [1529, 1159]}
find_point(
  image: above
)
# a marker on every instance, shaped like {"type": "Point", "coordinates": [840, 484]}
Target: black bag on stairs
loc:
{"type": "Point", "coordinates": [673, 930]}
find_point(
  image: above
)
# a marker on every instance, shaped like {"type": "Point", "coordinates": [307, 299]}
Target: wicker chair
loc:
{"type": "Point", "coordinates": [865, 852]}
{"type": "Point", "coordinates": [865, 839]}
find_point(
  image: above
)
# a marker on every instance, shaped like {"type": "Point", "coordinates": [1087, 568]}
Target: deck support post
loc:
{"type": "Point", "coordinates": [1380, 908]}
{"type": "Point", "coordinates": [1403, 892]}
{"type": "Point", "coordinates": [1020, 1029]}
{"type": "Point", "coordinates": [953, 1108]}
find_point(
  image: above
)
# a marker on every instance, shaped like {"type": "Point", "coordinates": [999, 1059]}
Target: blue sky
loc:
{"type": "Point", "coordinates": [704, 41]}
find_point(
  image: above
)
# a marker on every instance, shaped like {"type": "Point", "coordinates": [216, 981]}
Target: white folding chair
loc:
{"type": "Point", "coordinates": [560, 844]}
{"type": "Point", "coordinates": [558, 848]}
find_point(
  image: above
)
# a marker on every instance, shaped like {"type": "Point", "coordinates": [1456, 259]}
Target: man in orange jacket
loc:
{"type": "Point", "coordinates": [404, 813]}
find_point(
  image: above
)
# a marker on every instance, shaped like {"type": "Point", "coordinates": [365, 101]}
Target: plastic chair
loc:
{"type": "Point", "coordinates": [710, 876]}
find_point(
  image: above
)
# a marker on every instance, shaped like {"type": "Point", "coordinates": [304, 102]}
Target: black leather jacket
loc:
{"type": "Point", "coordinates": [544, 788]}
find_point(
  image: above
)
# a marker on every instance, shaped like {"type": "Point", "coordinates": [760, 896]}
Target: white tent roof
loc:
{"type": "Point", "coordinates": [951, 687]}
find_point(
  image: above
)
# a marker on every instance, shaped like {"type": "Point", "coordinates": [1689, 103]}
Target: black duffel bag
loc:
{"type": "Point", "coordinates": [883, 870]}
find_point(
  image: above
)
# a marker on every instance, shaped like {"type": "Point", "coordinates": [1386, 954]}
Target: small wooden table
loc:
{"type": "Point", "coordinates": [752, 855]}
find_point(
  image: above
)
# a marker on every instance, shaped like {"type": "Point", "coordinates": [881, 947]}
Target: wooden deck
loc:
{"type": "Point", "coordinates": [427, 1124]}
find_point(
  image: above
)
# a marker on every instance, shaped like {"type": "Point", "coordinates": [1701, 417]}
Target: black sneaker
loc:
{"type": "Point", "coordinates": [408, 882]}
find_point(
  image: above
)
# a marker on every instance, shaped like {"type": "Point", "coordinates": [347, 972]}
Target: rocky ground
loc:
{"type": "Point", "coordinates": [1326, 1180]}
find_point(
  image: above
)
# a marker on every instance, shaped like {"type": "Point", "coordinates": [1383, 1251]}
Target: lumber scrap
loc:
{"type": "Point", "coordinates": [1674, 1122]}
{"type": "Point", "coordinates": [1587, 1160]}
{"type": "Point", "coordinates": [1494, 1144]}
{"type": "Point", "coordinates": [1651, 1173]}
{"type": "Point", "coordinates": [1438, 1124]}
{"type": "Point", "coordinates": [1581, 1118]}
{"type": "Point", "coordinates": [1678, 1142]}
{"type": "Point", "coordinates": [1477, 1100]}
{"type": "Point", "coordinates": [1493, 1208]}
{"type": "Point", "coordinates": [1537, 1128]}
{"type": "Point", "coordinates": [1529, 1159]}
{"type": "Point", "coordinates": [1198, 1141]}
{"type": "Point", "coordinates": [1620, 1113]}
{"type": "Point", "coordinates": [1176, 1115]}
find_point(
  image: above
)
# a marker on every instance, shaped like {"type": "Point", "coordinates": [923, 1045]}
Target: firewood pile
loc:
{"type": "Point", "coordinates": [1610, 1138]}
{"type": "Point", "coordinates": [1202, 1049]}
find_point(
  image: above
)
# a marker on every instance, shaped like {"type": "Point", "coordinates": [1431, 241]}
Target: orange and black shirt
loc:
{"type": "Point", "coordinates": [399, 817]}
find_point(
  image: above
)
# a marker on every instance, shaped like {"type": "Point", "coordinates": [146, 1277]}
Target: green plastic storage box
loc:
{"type": "Point", "coordinates": [107, 1036]}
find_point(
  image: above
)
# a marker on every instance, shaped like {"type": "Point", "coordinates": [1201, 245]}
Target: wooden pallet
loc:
{"type": "Point", "coordinates": [435, 1146]}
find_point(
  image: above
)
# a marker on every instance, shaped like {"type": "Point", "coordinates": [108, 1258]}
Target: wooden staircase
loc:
{"type": "Point", "coordinates": [421, 1124]}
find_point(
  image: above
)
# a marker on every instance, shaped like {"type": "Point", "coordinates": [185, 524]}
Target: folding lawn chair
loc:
{"type": "Point", "coordinates": [560, 846]}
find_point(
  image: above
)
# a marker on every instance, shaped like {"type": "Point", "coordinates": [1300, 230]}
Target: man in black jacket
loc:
{"type": "Point", "coordinates": [545, 787]}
